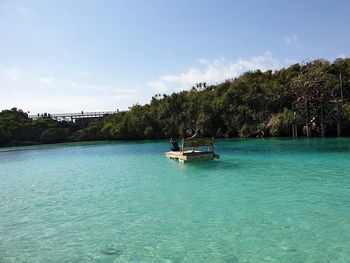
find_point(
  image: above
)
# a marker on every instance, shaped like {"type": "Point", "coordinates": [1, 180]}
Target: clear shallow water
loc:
{"type": "Point", "coordinates": [269, 200]}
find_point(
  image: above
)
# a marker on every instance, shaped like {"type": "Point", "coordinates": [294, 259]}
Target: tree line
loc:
{"type": "Point", "coordinates": [255, 104]}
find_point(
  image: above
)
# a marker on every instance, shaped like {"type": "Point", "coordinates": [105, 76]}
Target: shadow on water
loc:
{"type": "Point", "coordinates": [215, 165]}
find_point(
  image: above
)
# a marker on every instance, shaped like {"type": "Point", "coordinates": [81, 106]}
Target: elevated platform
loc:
{"type": "Point", "coordinates": [194, 154]}
{"type": "Point", "coordinates": [73, 116]}
{"type": "Point", "coordinates": [314, 115]}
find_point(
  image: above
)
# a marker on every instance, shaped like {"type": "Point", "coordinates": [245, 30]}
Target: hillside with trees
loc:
{"type": "Point", "coordinates": [254, 104]}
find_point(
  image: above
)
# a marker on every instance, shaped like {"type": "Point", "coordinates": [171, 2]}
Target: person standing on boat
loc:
{"type": "Point", "coordinates": [175, 146]}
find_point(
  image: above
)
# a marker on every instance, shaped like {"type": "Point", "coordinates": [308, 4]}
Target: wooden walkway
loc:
{"type": "Point", "coordinates": [316, 114]}
{"type": "Point", "coordinates": [73, 116]}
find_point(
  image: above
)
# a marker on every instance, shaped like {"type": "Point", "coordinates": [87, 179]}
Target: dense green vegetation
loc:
{"type": "Point", "coordinates": [257, 103]}
{"type": "Point", "coordinates": [17, 129]}
{"type": "Point", "coordinates": [254, 102]}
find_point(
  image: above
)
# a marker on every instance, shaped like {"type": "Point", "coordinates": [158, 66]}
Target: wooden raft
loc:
{"type": "Point", "coordinates": [186, 155]}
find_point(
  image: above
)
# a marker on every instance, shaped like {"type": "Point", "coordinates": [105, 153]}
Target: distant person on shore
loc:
{"type": "Point", "coordinates": [175, 146]}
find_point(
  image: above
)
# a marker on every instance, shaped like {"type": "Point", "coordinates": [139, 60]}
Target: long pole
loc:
{"type": "Point", "coordinates": [322, 119]}
{"type": "Point", "coordinates": [307, 118]}
{"type": "Point", "coordinates": [341, 87]}
{"type": "Point", "coordinates": [338, 119]}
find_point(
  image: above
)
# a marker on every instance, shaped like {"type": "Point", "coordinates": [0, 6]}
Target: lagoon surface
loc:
{"type": "Point", "coordinates": [270, 200]}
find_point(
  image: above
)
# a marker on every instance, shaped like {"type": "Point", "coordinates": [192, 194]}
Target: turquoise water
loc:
{"type": "Point", "coordinates": [271, 200]}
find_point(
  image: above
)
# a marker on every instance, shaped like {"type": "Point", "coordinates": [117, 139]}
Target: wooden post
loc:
{"type": "Point", "coordinates": [341, 88]}
{"type": "Point", "coordinates": [322, 119]}
{"type": "Point", "coordinates": [293, 121]}
{"type": "Point", "coordinates": [307, 118]}
{"type": "Point", "coordinates": [294, 125]}
{"type": "Point", "coordinates": [338, 120]}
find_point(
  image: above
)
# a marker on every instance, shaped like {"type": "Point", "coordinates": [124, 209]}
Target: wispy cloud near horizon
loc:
{"type": "Point", "coordinates": [84, 73]}
{"type": "Point", "coordinates": [292, 40]}
{"type": "Point", "coordinates": [12, 73]}
{"type": "Point", "coordinates": [46, 80]}
{"type": "Point", "coordinates": [213, 71]}
{"type": "Point", "coordinates": [28, 91]}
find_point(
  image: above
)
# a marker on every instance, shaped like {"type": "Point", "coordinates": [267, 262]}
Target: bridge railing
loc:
{"type": "Point", "coordinates": [73, 115]}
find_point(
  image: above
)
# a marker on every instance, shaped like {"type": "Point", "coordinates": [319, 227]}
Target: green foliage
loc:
{"type": "Point", "coordinates": [16, 128]}
{"type": "Point", "coordinates": [315, 78]}
{"type": "Point", "coordinates": [237, 107]}
{"type": "Point", "coordinates": [346, 112]}
{"type": "Point", "coordinates": [11, 121]}
{"type": "Point", "coordinates": [244, 131]}
{"type": "Point", "coordinates": [282, 123]}
{"type": "Point", "coordinates": [54, 135]}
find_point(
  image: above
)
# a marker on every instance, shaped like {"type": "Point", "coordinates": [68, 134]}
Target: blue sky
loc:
{"type": "Point", "coordinates": [59, 56]}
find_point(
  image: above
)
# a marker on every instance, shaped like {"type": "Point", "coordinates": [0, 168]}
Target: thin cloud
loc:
{"type": "Point", "coordinates": [343, 56]}
{"type": "Point", "coordinates": [290, 61]}
{"type": "Point", "coordinates": [24, 11]}
{"type": "Point", "coordinates": [84, 73]}
{"type": "Point", "coordinates": [12, 74]}
{"type": "Point", "coordinates": [213, 72]}
{"type": "Point", "coordinates": [46, 81]}
{"type": "Point", "coordinates": [29, 91]}
{"type": "Point", "coordinates": [157, 86]}
{"type": "Point", "coordinates": [88, 87]}
{"type": "Point", "coordinates": [291, 40]}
